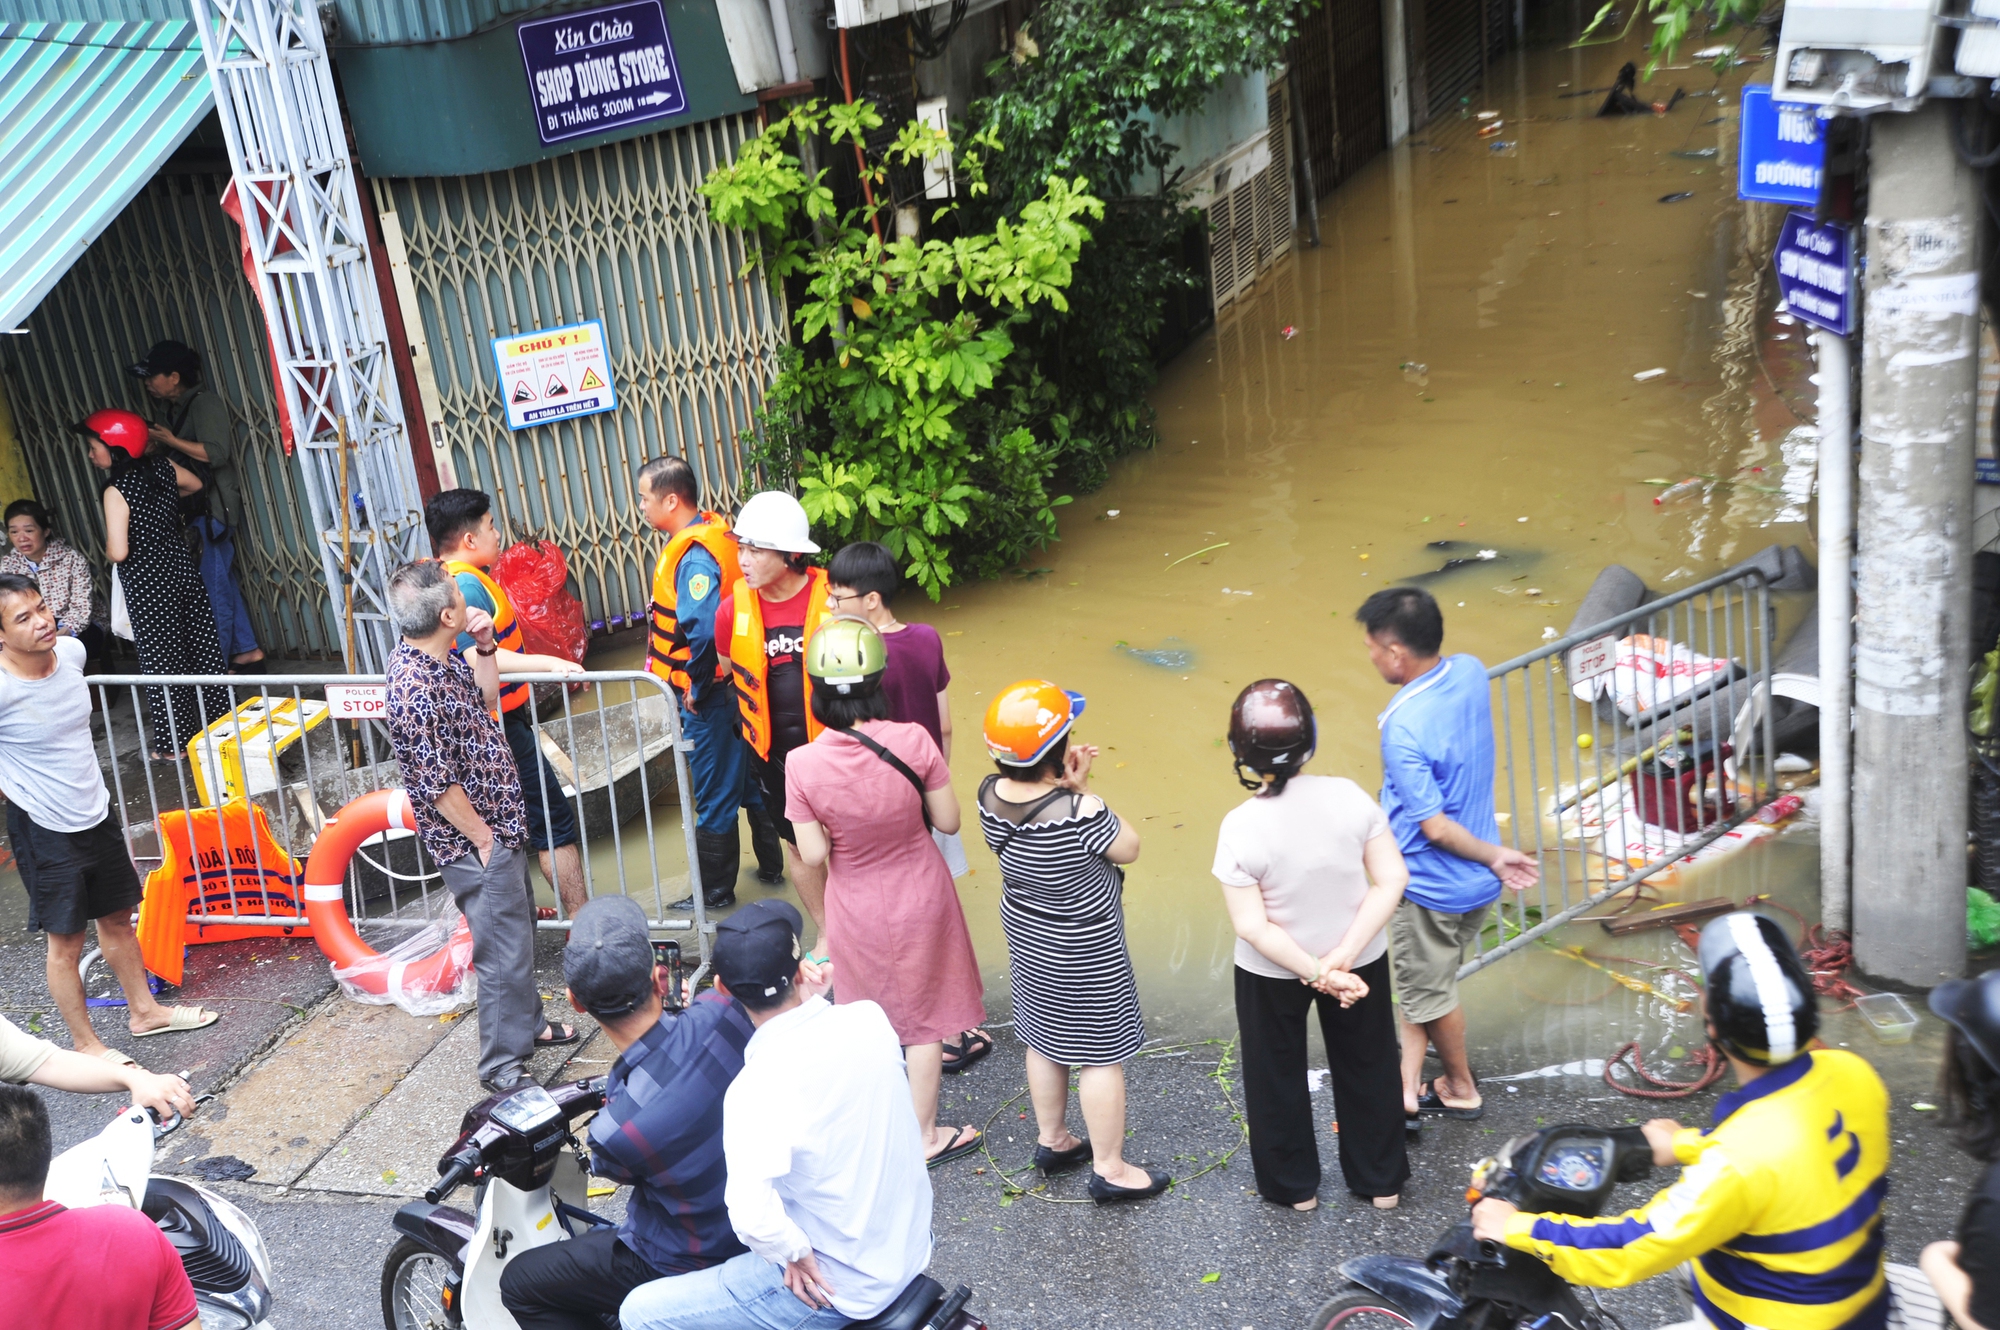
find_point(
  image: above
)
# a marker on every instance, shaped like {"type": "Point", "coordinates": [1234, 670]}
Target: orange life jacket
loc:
{"type": "Point", "coordinates": [667, 651]}
{"type": "Point", "coordinates": [750, 667]}
{"type": "Point", "coordinates": [506, 628]}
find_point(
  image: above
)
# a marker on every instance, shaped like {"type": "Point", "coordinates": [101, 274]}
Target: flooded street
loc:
{"type": "Point", "coordinates": [1455, 364]}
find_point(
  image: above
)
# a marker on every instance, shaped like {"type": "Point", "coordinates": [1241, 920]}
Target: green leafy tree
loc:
{"type": "Point", "coordinates": [1087, 95]}
{"type": "Point", "coordinates": [1673, 22]}
{"type": "Point", "coordinates": [891, 414]}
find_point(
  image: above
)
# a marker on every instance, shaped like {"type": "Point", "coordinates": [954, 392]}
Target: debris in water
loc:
{"type": "Point", "coordinates": [1548, 634]}
{"type": "Point", "coordinates": [1227, 592]}
{"type": "Point", "coordinates": [1220, 544]}
{"type": "Point", "coordinates": [1699, 295]}
{"type": "Point", "coordinates": [1489, 115]}
{"type": "Point", "coordinates": [1585, 741]}
{"type": "Point", "coordinates": [1710, 53]}
{"type": "Point", "coordinates": [1520, 519]}
{"type": "Point", "coordinates": [1486, 554]}
{"type": "Point", "coordinates": [1364, 556]}
{"type": "Point", "coordinates": [1488, 131]}
{"type": "Point", "coordinates": [1695, 153]}
{"type": "Point", "coordinates": [1415, 371]}
{"type": "Point", "coordinates": [1920, 1106]}
{"type": "Point", "coordinates": [1646, 374]}
{"type": "Point", "coordinates": [1676, 198]}
{"type": "Point", "coordinates": [1534, 591]}
{"type": "Point", "coordinates": [1165, 656]}
{"type": "Point", "coordinates": [1506, 147]}
{"type": "Point", "coordinates": [1681, 490]}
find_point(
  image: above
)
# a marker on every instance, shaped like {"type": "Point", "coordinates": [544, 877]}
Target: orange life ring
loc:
{"type": "Point", "coordinates": [325, 896]}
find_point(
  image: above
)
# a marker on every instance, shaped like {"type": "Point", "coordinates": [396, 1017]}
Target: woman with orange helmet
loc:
{"type": "Point", "coordinates": [1076, 1004]}
{"type": "Point", "coordinates": [173, 626]}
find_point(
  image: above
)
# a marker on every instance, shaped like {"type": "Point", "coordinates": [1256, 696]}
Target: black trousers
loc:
{"type": "Point", "coordinates": [573, 1285]}
{"type": "Point", "coordinates": [1367, 1076]}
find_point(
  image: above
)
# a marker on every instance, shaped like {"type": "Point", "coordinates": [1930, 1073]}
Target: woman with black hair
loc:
{"type": "Point", "coordinates": [1966, 1270]}
{"type": "Point", "coordinates": [862, 798]}
{"type": "Point", "coordinates": [172, 625]}
{"type": "Point", "coordinates": [1311, 874]}
{"type": "Point", "coordinates": [63, 574]}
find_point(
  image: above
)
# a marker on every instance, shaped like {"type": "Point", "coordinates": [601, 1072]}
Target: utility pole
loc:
{"type": "Point", "coordinates": [1919, 379]}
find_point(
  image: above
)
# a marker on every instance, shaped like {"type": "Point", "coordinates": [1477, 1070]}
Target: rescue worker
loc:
{"type": "Point", "coordinates": [461, 528]}
{"type": "Point", "coordinates": [693, 572]}
{"type": "Point", "coordinates": [1779, 1201]}
{"type": "Point", "coordinates": [771, 611]}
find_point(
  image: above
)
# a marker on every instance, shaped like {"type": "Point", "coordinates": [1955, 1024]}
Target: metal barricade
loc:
{"type": "Point", "coordinates": [1629, 747]}
{"type": "Point", "coordinates": [283, 753]}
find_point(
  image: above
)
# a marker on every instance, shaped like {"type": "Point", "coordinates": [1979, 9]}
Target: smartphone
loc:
{"type": "Point", "coordinates": [668, 954]}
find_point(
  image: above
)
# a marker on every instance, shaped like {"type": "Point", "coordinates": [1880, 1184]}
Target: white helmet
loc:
{"type": "Point", "coordinates": [774, 520]}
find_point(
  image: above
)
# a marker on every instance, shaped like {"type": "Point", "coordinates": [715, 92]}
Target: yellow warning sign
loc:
{"type": "Point", "coordinates": [572, 366]}
{"type": "Point", "coordinates": [590, 380]}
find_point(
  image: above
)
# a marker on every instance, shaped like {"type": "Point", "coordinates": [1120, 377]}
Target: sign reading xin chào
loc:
{"type": "Point", "coordinates": [600, 70]}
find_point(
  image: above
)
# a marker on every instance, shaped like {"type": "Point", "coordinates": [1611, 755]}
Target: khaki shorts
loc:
{"type": "Point", "coordinates": [1426, 947]}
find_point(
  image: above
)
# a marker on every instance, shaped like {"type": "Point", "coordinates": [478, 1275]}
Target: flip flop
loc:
{"type": "Point", "coordinates": [971, 1046]}
{"type": "Point", "coordinates": [1429, 1102]}
{"type": "Point", "coordinates": [180, 1020]}
{"type": "Point", "coordinates": [959, 1146]}
{"type": "Point", "coordinates": [115, 1058]}
{"type": "Point", "coordinates": [569, 1038]}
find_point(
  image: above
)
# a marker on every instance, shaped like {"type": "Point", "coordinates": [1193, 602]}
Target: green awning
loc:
{"type": "Point", "coordinates": [88, 112]}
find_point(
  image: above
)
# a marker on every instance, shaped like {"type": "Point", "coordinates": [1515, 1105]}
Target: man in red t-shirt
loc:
{"type": "Point", "coordinates": [104, 1268]}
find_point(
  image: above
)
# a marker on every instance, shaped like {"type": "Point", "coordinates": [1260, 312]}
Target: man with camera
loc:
{"type": "Point", "coordinates": [660, 1129]}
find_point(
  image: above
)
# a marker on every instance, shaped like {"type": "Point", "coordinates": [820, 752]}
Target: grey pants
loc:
{"type": "Point", "coordinates": [499, 907]}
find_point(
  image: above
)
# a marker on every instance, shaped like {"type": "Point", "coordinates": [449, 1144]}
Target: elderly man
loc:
{"type": "Point", "coordinates": [466, 793]}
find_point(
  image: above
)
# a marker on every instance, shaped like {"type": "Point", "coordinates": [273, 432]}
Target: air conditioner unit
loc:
{"type": "Point", "coordinates": [1856, 53]}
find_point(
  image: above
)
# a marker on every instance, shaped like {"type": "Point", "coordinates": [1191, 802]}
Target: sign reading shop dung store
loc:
{"type": "Point", "coordinates": [554, 374]}
{"type": "Point", "coordinates": [601, 69]}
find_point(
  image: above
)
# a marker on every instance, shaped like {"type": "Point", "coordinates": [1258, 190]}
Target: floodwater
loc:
{"type": "Point", "coordinates": [1454, 370]}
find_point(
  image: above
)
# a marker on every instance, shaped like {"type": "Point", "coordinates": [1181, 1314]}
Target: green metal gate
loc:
{"type": "Point", "coordinates": [619, 234]}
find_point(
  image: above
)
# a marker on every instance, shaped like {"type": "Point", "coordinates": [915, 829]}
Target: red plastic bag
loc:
{"type": "Point", "coordinates": [535, 578]}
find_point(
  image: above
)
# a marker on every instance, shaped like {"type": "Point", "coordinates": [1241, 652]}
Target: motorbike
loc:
{"type": "Point", "coordinates": [1469, 1284]}
{"type": "Point", "coordinates": [219, 1247]}
{"type": "Point", "coordinates": [521, 1151]}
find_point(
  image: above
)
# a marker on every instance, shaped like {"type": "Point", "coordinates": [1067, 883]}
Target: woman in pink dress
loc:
{"type": "Point", "coordinates": [863, 797]}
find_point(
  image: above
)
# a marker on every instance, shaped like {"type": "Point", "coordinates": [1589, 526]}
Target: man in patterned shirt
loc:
{"type": "Point", "coordinates": [466, 794]}
{"type": "Point", "coordinates": [661, 1130]}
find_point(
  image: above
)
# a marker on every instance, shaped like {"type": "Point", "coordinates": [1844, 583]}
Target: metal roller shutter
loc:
{"type": "Point", "coordinates": [1336, 72]}
{"type": "Point", "coordinates": [1453, 59]}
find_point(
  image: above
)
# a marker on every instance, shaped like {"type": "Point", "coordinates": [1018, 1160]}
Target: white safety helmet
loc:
{"type": "Point", "coordinates": [774, 520]}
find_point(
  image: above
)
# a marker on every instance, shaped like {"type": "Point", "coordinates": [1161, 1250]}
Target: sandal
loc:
{"type": "Point", "coordinates": [548, 1038]}
{"type": "Point", "coordinates": [960, 1145]}
{"type": "Point", "coordinates": [1428, 1101]}
{"type": "Point", "coordinates": [116, 1059]}
{"type": "Point", "coordinates": [971, 1046]}
{"type": "Point", "coordinates": [180, 1020]}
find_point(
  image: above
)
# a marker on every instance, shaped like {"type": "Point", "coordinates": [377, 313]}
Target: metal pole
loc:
{"type": "Point", "coordinates": [1919, 380]}
{"type": "Point", "coordinates": [1836, 627]}
{"type": "Point", "coordinates": [1303, 146]}
{"type": "Point", "coordinates": [347, 551]}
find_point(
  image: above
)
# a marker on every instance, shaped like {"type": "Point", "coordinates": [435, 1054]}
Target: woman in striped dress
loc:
{"type": "Point", "coordinates": [1076, 1003]}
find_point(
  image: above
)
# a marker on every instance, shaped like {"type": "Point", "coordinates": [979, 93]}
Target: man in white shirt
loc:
{"type": "Point", "coordinates": [67, 840]}
{"type": "Point", "coordinates": [827, 1185]}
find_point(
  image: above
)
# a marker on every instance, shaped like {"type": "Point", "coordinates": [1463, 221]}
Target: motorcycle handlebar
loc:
{"type": "Point", "coordinates": [456, 1174]}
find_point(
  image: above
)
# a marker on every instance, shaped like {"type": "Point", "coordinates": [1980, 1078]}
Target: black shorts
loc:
{"type": "Point", "coordinates": [72, 877]}
{"type": "Point", "coordinates": [769, 773]}
{"type": "Point", "coordinates": [551, 820]}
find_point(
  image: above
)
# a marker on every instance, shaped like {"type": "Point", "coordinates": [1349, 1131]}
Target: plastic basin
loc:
{"type": "Point", "coordinates": [1888, 1017]}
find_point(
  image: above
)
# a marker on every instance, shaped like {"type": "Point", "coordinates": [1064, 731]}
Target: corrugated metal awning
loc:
{"type": "Point", "coordinates": [88, 112]}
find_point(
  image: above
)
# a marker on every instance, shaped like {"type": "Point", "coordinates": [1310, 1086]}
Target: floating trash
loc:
{"type": "Point", "coordinates": [1645, 374]}
{"type": "Point", "coordinates": [1288, 332]}
{"type": "Point", "coordinates": [1676, 198]}
{"type": "Point", "coordinates": [1694, 154]}
{"type": "Point", "coordinates": [1165, 656]}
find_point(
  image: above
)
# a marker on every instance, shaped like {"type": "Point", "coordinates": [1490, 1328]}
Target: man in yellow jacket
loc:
{"type": "Point", "coordinates": [1779, 1203]}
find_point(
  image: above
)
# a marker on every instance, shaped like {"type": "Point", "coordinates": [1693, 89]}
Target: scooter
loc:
{"type": "Point", "coordinates": [521, 1150]}
{"type": "Point", "coordinates": [219, 1247]}
{"type": "Point", "coordinates": [1469, 1284]}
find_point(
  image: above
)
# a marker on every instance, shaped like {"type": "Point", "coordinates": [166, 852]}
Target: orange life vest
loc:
{"type": "Point", "coordinates": [667, 653]}
{"type": "Point", "coordinates": [506, 628]}
{"type": "Point", "coordinates": [750, 667]}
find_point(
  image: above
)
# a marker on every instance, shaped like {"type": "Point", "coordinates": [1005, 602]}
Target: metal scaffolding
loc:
{"type": "Point", "coordinates": [308, 238]}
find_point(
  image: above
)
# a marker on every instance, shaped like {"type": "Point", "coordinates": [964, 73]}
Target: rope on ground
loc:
{"type": "Point", "coordinates": [1707, 1059]}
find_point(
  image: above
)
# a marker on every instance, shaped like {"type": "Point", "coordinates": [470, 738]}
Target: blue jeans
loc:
{"type": "Point", "coordinates": [719, 763]}
{"type": "Point", "coordinates": [746, 1292]}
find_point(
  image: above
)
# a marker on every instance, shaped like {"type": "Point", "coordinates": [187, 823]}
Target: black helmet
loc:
{"type": "Point", "coordinates": [1760, 998]}
{"type": "Point", "coordinates": [1972, 1007]}
{"type": "Point", "coordinates": [1271, 731]}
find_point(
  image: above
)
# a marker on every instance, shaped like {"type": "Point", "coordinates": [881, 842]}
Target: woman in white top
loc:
{"type": "Point", "coordinates": [1311, 873]}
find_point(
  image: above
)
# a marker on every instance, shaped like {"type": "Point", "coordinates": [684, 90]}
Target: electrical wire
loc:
{"type": "Point", "coordinates": [928, 45]}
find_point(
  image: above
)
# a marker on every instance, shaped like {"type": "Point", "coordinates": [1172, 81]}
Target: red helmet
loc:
{"type": "Point", "coordinates": [116, 428]}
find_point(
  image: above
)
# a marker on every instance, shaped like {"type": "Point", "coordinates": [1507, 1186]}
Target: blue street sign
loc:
{"type": "Point", "coordinates": [600, 70]}
{"type": "Point", "coordinates": [1783, 149]}
{"type": "Point", "coordinates": [1816, 272]}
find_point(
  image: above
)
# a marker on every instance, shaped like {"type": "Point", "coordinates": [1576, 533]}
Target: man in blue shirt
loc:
{"type": "Point", "coordinates": [1437, 790]}
{"type": "Point", "coordinates": [660, 1130]}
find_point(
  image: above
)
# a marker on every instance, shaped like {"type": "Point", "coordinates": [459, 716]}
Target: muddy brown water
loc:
{"type": "Point", "coordinates": [1453, 370]}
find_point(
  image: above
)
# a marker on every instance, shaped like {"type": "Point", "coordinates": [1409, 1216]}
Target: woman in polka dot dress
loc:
{"type": "Point", "coordinates": [173, 626]}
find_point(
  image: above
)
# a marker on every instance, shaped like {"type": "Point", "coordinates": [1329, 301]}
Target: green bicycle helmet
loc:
{"type": "Point", "coordinates": [847, 655]}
